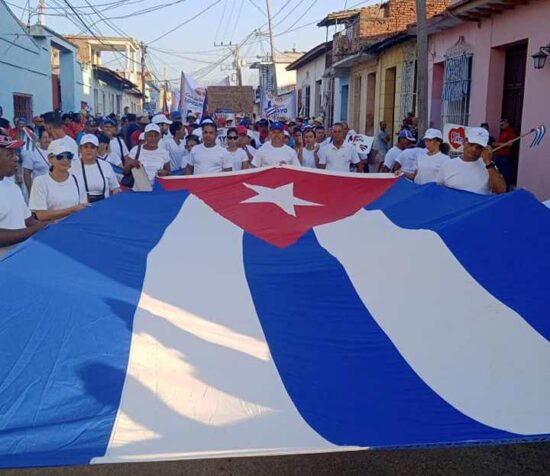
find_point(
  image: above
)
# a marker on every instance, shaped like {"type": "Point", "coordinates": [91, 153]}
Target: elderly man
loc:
{"type": "Point", "coordinates": [339, 155]}
{"type": "Point", "coordinates": [475, 171]}
{"type": "Point", "coordinates": [16, 222]}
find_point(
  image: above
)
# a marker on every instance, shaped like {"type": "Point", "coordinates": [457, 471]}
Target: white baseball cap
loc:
{"type": "Point", "coordinates": [89, 139]}
{"type": "Point", "coordinates": [433, 134]}
{"type": "Point", "coordinates": [160, 119]}
{"type": "Point", "coordinates": [58, 147]}
{"type": "Point", "coordinates": [152, 128]}
{"type": "Point", "coordinates": [477, 135]}
{"type": "Point", "coordinates": [142, 136]}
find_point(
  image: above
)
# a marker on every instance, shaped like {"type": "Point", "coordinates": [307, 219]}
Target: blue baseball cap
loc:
{"type": "Point", "coordinates": [406, 134]}
{"type": "Point", "coordinates": [277, 126]}
{"type": "Point", "coordinates": [108, 121]}
{"type": "Point", "coordinates": [176, 116]}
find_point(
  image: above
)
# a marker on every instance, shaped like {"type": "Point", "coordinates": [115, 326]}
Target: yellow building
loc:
{"type": "Point", "coordinates": [383, 85]}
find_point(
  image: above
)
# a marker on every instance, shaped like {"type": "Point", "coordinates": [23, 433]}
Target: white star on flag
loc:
{"type": "Point", "coordinates": [282, 196]}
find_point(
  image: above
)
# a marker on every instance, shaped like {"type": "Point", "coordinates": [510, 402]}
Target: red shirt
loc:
{"type": "Point", "coordinates": [506, 135]}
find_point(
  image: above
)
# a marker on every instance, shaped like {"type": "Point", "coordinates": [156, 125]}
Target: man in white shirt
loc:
{"type": "Point", "coordinates": [54, 126]}
{"type": "Point", "coordinates": [174, 144]}
{"type": "Point", "coordinates": [163, 122]}
{"type": "Point", "coordinates": [404, 140]}
{"type": "Point", "coordinates": [275, 152]}
{"type": "Point", "coordinates": [208, 157]}
{"type": "Point", "coordinates": [339, 155]}
{"type": "Point", "coordinates": [475, 171]}
{"type": "Point", "coordinates": [16, 222]}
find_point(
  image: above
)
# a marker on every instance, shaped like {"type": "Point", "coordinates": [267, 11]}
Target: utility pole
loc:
{"type": "Point", "coordinates": [143, 53]}
{"type": "Point", "coordinates": [41, 9]}
{"type": "Point", "coordinates": [422, 66]}
{"type": "Point", "coordinates": [269, 22]}
{"type": "Point", "coordinates": [236, 51]}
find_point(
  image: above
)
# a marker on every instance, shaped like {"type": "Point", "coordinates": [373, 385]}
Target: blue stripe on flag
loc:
{"type": "Point", "coordinates": [57, 405]}
{"type": "Point", "coordinates": [345, 376]}
{"type": "Point", "coordinates": [508, 265]}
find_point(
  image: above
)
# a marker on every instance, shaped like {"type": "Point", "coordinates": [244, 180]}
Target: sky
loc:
{"type": "Point", "coordinates": [197, 26]}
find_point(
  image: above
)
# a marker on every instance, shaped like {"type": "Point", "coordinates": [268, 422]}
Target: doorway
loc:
{"type": "Point", "coordinates": [512, 94]}
{"type": "Point", "coordinates": [371, 96]}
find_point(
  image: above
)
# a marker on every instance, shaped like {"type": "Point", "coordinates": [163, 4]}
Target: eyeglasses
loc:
{"type": "Point", "coordinates": [232, 137]}
{"type": "Point", "coordinates": [67, 155]}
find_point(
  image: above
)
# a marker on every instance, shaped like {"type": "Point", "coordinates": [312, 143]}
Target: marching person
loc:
{"type": "Point", "coordinates": [118, 152]}
{"type": "Point", "coordinates": [208, 157]}
{"type": "Point", "coordinates": [16, 221]}
{"type": "Point", "coordinates": [475, 171]}
{"type": "Point", "coordinates": [239, 157]}
{"type": "Point", "coordinates": [55, 129]}
{"type": "Point", "coordinates": [57, 194]}
{"type": "Point", "coordinates": [339, 155]}
{"type": "Point", "coordinates": [503, 157]}
{"type": "Point", "coordinates": [404, 140]}
{"type": "Point", "coordinates": [382, 143]}
{"type": "Point", "coordinates": [175, 145]}
{"type": "Point", "coordinates": [142, 124]}
{"type": "Point", "coordinates": [275, 152]}
{"type": "Point", "coordinates": [154, 159]}
{"type": "Point", "coordinates": [163, 122]}
{"type": "Point", "coordinates": [430, 160]}
{"type": "Point", "coordinates": [35, 161]}
{"type": "Point", "coordinates": [97, 175]}
{"type": "Point", "coordinates": [309, 149]}
{"type": "Point", "coordinates": [245, 142]}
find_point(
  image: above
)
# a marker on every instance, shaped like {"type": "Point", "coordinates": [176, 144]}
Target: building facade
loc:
{"type": "Point", "coordinates": [481, 70]}
{"type": "Point", "coordinates": [32, 82]}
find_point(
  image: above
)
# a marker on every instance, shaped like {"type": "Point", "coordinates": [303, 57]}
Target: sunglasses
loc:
{"type": "Point", "coordinates": [67, 156]}
{"type": "Point", "coordinates": [232, 137]}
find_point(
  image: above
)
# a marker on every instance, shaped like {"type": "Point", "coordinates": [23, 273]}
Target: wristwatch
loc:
{"type": "Point", "coordinates": [491, 165]}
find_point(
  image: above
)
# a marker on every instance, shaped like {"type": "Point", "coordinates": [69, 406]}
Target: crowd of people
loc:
{"type": "Point", "coordinates": [60, 164]}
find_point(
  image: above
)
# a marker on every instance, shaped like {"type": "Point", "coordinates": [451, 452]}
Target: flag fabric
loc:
{"type": "Point", "coordinates": [539, 135]}
{"type": "Point", "coordinates": [276, 311]}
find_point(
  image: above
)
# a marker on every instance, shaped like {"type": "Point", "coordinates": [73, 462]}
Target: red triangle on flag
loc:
{"type": "Point", "coordinates": [280, 204]}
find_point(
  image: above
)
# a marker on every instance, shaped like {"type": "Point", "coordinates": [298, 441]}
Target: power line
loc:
{"type": "Point", "coordinates": [303, 14]}
{"type": "Point", "coordinates": [257, 7]}
{"type": "Point", "coordinates": [185, 22]}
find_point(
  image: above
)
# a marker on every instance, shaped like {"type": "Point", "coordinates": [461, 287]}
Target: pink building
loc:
{"type": "Point", "coordinates": [480, 70]}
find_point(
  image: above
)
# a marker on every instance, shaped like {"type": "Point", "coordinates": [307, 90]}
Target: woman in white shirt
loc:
{"type": "Point", "coordinates": [307, 149]}
{"type": "Point", "coordinates": [238, 156]}
{"type": "Point", "coordinates": [154, 159]}
{"type": "Point", "coordinates": [429, 161]}
{"type": "Point", "coordinates": [97, 175]}
{"type": "Point", "coordinates": [58, 193]}
{"type": "Point", "coordinates": [35, 159]}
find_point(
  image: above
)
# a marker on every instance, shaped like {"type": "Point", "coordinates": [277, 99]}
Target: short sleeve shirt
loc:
{"type": "Point", "coordinates": [13, 210]}
{"type": "Point", "coordinates": [268, 156]}
{"type": "Point", "coordinates": [338, 159]}
{"type": "Point", "coordinates": [48, 194]}
{"type": "Point", "coordinates": [209, 160]}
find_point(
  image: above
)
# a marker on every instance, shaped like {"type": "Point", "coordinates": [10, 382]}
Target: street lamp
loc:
{"type": "Point", "coordinates": [539, 58]}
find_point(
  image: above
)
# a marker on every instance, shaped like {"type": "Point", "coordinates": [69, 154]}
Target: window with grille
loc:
{"type": "Point", "coordinates": [307, 100]}
{"type": "Point", "coordinates": [22, 106]}
{"type": "Point", "coordinates": [408, 88]}
{"type": "Point", "coordinates": [456, 89]}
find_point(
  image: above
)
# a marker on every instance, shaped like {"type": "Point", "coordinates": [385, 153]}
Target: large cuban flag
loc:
{"type": "Point", "coordinates": [276, 311]}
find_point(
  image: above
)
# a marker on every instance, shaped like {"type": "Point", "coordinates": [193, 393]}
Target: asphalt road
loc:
{"type": "Point", "coordinates": [501, 460]}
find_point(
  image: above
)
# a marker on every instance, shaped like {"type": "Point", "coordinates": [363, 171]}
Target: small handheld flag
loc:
{"type": "Point", "coordinates": [539, 135]}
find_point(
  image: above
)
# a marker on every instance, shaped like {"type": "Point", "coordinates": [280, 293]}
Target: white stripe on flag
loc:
{"type": "Point", "coordinates": [201, 380]}
{"type": "Point", "coordinates": [474, 351]}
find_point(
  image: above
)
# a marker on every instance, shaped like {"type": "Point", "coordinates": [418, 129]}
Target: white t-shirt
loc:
{"type": "Point", "coordinates": [13, 209]}
{"type": "Point", "coordinates": [237, 158]}
{"type": "Point", "coordinates": [151, 160]}
{"type": "Point", "coordinates": [114, 151]}
{"type": "Point", "coordinates": [252, 150]}
{"type": "Point", "coordinates": [178, 153]}
{"type": "Point", "coordinates": [68, 144]}
{"type": "Point", "coordinates": [469, 176]}
{"type": "Point", "coordinates": [338, 159]}
{"type": "Point", "coordinates": [97, 184]}
{"type": "Point", "coordinates": [48, 194]}
{"type": "Point", "coordinates": [38, 164]}
{"type": "Point", "coordinates": [391, 155]}
{"type": "Point", "coordinates": [428, 167]}
{"type": "Point", "coordinates": [409, 159]}
{"type": "Point", "coordinates": [267, 156]}
{"type": "Point", "coordinates": [308, 158]}
{"type": "Point", "coordinates": [209, 160]}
